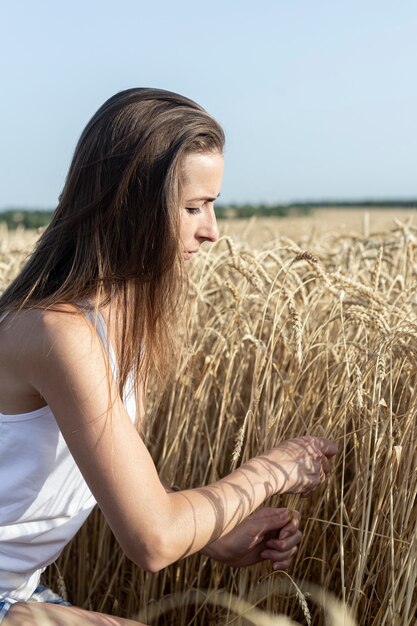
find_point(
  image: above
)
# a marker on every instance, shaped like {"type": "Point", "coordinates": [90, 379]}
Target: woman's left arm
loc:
{"type": "Point", "coordinates": [268, 534]}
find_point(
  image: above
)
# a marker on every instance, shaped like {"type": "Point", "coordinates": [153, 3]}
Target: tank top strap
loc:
{"type": "Point", "coordinates": [3, 315]}
{"type": "Point", "coordinates": [101, 328]}
{"type": "Point", "coordinates": [128, 395]}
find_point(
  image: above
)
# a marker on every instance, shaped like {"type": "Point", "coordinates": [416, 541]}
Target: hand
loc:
{"type": "Point", "coordinates": [305, 462]}
{"type": "Point", "coordinates": [268, 534]}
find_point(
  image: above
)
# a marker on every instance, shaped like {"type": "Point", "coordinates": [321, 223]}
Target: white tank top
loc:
{"type": "Point", "coordinates": [44, 498]}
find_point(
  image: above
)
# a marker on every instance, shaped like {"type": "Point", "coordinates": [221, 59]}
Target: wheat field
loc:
{"type": "Point", "coordinates": [296, 326]}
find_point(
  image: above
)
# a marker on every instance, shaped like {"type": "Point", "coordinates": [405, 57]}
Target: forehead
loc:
{"type": "Point", "coordinates": [202, 175]}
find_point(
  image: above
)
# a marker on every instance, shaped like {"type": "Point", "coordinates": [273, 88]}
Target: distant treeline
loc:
{"type": "Point", "coordinates": [28, 218]}
{"type": "Point", "coordinates": [25, 218]}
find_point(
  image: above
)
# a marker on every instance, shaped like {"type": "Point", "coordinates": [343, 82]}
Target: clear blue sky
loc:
{"type": "Point", "coordinates": [318, 98]}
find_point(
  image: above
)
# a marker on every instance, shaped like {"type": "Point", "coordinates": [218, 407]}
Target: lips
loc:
{"type": "Point", "coordinates": [189, 253]}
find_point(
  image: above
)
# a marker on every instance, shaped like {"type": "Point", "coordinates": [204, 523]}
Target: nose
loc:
{"type": "Point", "coordinates": [209, 230]}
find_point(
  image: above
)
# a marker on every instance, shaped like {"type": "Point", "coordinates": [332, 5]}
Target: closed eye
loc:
{"type": "Point", "coordinates": [193, 210]}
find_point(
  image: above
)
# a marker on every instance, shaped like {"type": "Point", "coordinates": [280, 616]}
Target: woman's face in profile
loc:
{"type": "Point", "coordinates": [203, 175]}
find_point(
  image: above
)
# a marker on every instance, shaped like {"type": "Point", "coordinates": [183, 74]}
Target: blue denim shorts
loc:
{"type": "Point", "coordinates": [41, 594]}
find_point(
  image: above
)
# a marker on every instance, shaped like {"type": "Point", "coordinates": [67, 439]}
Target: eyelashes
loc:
{"type": "Point", "coordinates": [193, 210]}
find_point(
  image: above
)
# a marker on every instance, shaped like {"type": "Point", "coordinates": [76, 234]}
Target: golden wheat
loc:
{"type": "Point", "coordinates": [310, 335]}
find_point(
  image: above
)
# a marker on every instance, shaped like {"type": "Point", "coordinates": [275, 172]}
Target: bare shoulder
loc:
{"type": "Point", "coordinates": [37, 344]}
{"type": "Point", "coordinates": [33, 332]}
{"type": "Point", "coordinates": [68, 365]}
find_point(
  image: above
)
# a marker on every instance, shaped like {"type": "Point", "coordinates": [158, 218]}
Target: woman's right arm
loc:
{"type": "Point", "coordinates": [64, 362]}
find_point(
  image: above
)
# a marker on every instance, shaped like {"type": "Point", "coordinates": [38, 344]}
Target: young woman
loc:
{"type": "Point", "coordinates": [88, 319]}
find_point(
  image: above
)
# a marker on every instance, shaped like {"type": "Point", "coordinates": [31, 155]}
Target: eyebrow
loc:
{"type": "Point", "coordinates": [204, 198]}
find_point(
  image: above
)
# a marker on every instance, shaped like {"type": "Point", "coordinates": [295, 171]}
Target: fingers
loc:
{"type": "Point", "coordinates": [310, 461]}
{"type": "Point", "coordinates": [323, 467]}
{"type": "Point", "coordinates": [282, 565]}
{"type": "Point", "coordinates": [283, 545]}
{"type": "Point", "coordinates": [280, 560]}
{"type": "Point", "coordinates": [291, 527]}
{"type": "Point", "coordinates": [282, 550]}
{"type": "Point", "coordinates": [324, 464]}
{"type": "Point", "coordinates": [327, 466]}
{"type": "Point", "coordinates": [328, 447]}
{"type": "Point", "coordinates": [324, 447]}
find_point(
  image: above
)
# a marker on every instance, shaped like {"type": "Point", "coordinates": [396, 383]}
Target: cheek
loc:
{"type": "Point", "coordinates": [183, 230]}
{"type": "Point", "coordinates": [186, 228]}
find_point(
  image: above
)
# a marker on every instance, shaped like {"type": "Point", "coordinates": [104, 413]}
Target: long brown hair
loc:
{"type": "Point", "coordinates": [114, 237]}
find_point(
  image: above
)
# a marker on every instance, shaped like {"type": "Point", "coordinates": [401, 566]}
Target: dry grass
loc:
{"type": "Point", "coordinates": [315, 335]}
